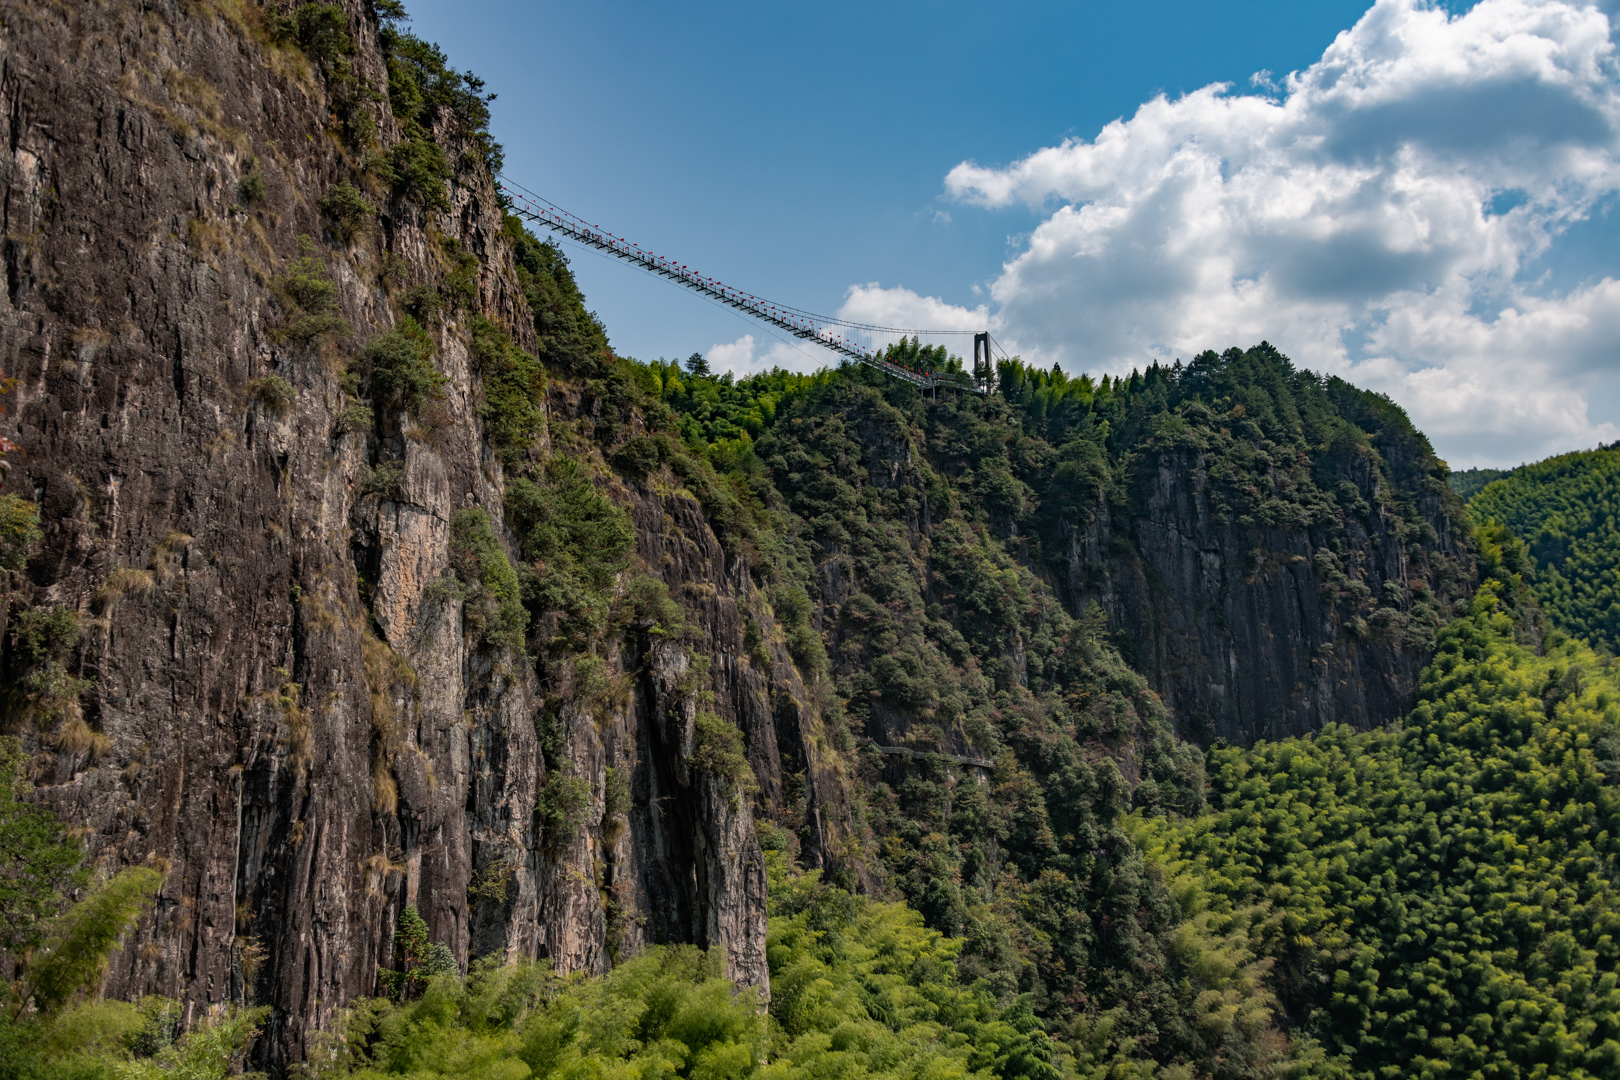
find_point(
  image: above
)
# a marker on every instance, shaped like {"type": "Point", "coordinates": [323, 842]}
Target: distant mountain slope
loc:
{"type": "Point", "coordinates": [1468, 482]}
{"type": "Point", "coordinates": [1567, 509]}
{"type": "Point", "coordinates": [1436, 899]}
{"type": "Point", "coordinates": [1275, 551]}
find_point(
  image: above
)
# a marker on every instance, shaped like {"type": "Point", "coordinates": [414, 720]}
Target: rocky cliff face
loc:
{"type": "Point", "coordinates": [286, 707]}
{"type": "Point", "coordinates": [1275, 623]}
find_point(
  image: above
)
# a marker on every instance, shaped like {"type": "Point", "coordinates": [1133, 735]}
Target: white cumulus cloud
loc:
{"type": "Point", "coordinates": [1376, 215]}
{"type": "Point", "coordinates": [747, 356]}
{"type": "Point", "coordinates": [874, 305]}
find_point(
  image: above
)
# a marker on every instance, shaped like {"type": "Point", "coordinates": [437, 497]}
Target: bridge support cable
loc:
{"type": "Point", "coordinates": [855, 341]}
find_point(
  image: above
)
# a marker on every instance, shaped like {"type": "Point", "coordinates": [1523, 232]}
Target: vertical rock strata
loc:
{"type": "Point", "coordinates": [289, 718]}
{"type": "Point", "coordinates": [1271, 629]}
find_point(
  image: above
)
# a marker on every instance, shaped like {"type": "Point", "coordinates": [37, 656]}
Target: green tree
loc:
{"type": "Point", "coordinates": [421, 960]}
{"type": "Point", "coordinates": [39, 863]}
{"type": "Point", "coordinates": [400, 364]}
{"type": "Point", "coordinates": [72, 957]}
{"type": "Point", "coordinates": [493, 607]}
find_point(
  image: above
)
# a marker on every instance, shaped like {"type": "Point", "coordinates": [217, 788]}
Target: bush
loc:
{"type": "Point", "coordinates": [403, 375]}
{"type": "Point", "coordinates": [19, 531]}
{"type": "Point", "coordinates": [50, 693]}
{"type": "Point", "coordinates": [310, 297]}
{"type": "Point", "coordinates": [43, 633]}
{"type": "Point", "coordinates": [306, 284]}
{"type": "Point", "coordinates": [652, 609]}
{"type": "Point", "coordinates": [514, 386]}
{"type": "Point", "coordinates": [418, 170]}
{"type": "Point", "coordinates": [494, 608]}
{"type": "Point", "coordinates": [274, 392]}
{"type": "Point", "coordinates": [387, 481]}
{"type": "Point", "coordinates": [424, 303]}
{"type": "Point", "coordinates": [717, 750]}
{"type": "Point", "coordinates": [563, 806]}
{"type": "Point", "coordinates": [321, 30]}
{"type": "Point", "coordinates": [251, 188]}
{"type": "Point", "coordinates": [349, 209]}
{"type": "Point", "coordinates": [639, 456]}
{"type": "Point", "coordinates": [460, 286]}
{"type": "Point", "coordinates": [577, 539]}
{"type": "Point", "coordinates": [356, 417]}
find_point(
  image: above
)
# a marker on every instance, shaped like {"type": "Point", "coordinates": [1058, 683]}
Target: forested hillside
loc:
{"type": "Point", "coordinates": [1436, 898]}
{"type": "Point", "coordinates": [1273, 550]}
{"type": "Point", "coordinates": [1468, 482]}
{"type": "Point", "coordinates": [1567, 509]}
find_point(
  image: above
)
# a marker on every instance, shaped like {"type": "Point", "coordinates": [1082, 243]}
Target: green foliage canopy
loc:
{"type": "Point", "coordinates": [1567, 510]}
{"type": "Point", "coordinates": [1439, 894]}
{"type": "Point", "coordinates": [493, 607]}
{"type": "Point", "coordinates": [400, 364]}
{"type": "Point", "coordinates": [38, 861]}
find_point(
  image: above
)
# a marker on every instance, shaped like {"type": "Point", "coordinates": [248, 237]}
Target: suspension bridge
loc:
{"type": "Point", "coordinates": [862, 343]}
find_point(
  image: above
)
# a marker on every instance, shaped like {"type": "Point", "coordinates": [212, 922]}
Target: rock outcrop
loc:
{"type": "Point", "coordinates": [285, 708]}
{"type": "Point", "coordinates": [1264, 630]}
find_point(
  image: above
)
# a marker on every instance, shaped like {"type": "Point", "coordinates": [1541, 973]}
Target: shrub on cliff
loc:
{"type": "Point", "coordinates": [347, 207]}
{"type": "Point", "coordinates": [274, 392]}
{"type": "Point", "coordinates": [322, 30]}
{"type": "Point", "coordinates": [40, 686]}
{"type": "Point", "coordinates": [514, 388]}
{"type": "Point", "coordinates": [400, 364]}
{"type": "Point", "coordinates": [717, 751]}
{"type": "Point", "coordinates": [575, 540]}
{"type": "Point", "coordinates": [251, 188]}
{"type": "Point", "coordinates": [309, 298]}
{"type": "Point", "coordinates": [493, 608]}
{"type": "Point", "coordinates": [19, 531]}
{"type": "Point", "coordinates": [417, 169]}
{"type": "Point", "coordinates": [562, 806]}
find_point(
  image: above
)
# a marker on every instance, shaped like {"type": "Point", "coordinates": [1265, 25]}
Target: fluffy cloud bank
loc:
{"type": "Point", "coordinates": [1380, 215]}
{"type": "Point", "coordinates": [747, 356]}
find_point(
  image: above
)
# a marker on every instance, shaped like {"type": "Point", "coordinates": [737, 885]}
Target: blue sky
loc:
{"type": "Point", "coordinates": [964, 153]}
